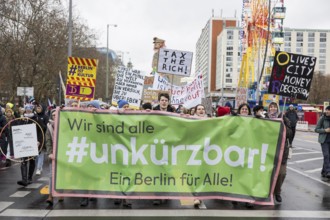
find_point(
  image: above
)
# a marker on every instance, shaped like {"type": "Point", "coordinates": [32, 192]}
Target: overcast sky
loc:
{"type": "Point", "coordinates": [179, 22]}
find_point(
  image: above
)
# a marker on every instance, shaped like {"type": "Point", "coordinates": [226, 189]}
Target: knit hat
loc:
{"type": "Point", "coordinates": [290, 106]}
{"type": "Point", "coordinates": [94, 103]}
{"type": "Point", "coordinates": [121, 103]}
{"type": "Point", "coordinates": [328, 107]}
{"type": "Point", "coordinates": [28, 107]}
{"type": "Point", "coordinates": [228, 104]}
{"type": "Point", "coordinates": [32, 100]}
{"type": "Point", "coordinates": [11, 105]}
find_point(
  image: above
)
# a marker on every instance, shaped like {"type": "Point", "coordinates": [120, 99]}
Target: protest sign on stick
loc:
{"type": "Point", "coordinates": [292, 75]}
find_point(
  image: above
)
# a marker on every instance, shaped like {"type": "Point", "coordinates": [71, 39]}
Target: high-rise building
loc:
{"type": "Point", "coordinates": [228, 61]}
{"type": "Point", "coordinates": [206, 52]}
{"type": "Point", "coordinates": [310, 42]}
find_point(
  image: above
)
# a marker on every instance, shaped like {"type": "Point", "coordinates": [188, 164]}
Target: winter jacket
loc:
{"type": "Point", "coordinates": [292, 116]}
{"type": "Point", "coordinates": [169, 108]}
{"type": "Point", "coordinates": [322, 124]}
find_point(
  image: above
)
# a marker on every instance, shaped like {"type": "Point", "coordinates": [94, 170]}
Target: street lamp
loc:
{"type": "Point", "coordinates": [107, 65]}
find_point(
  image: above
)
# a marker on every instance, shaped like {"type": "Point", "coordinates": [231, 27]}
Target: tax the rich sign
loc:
{"type": "Point", "coordinates": [147, 154]}
{"type": "Point", "coordinates": [292, 75]}
{"type": "Point", "coordinates": [174, 62]}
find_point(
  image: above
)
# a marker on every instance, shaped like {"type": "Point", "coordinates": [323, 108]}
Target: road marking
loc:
{"type": "Point", "coordinates": [4, 205]}
{"type": "Point", "coordinates": [43, 179]}
{"type": "Point", "coordinates": [33, 186]}
{"type": "Point", "coordinates": [306, 149]}
{"type": "Point", "coordinates": [167, 213]}
{"type": "Point", "coordinates": [302, 140]}
{"type": "Point", "coordinates": [26, 212]}
{"type": "Point", "coordinates": [314, 170]}
{"type": "Point", "coordinates": [307, 160]}
{"type": "Point", "coordinates": [306, 153]}
{"type": "Point", "coordinates": [20, 194]}
{"type": "Point", "coordinates": [313, 178]}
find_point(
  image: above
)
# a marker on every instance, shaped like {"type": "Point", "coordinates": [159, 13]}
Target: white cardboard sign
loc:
{"type": "Point", "coordinates": [25, 140]}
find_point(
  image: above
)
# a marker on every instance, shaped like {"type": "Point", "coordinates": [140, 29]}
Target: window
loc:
{"type": "Point", "coordinates": [229, 58]}
{"type": "Point", "coordinates": [229, 53]}
{"type": "Point", "coordinates": [323, 45]}
{"type": "Point", "coordinates": [311, 45]}
{"type": "Point", "coordinates": [311, 34]}
{"type": "Point", "coordinates": [323, 34]}
{"type": "Point", "coordinates": [300, 36]}
{"type": "Point", "coordinates": [311, 50]}
{"type": "Point", "coordinates": [287, 49]}
{"type": "Point", "coordinates": [229, 80]}
{"type": "Point", "coordinates": [321, 61]}
{"type": "Point", "coordinates": [287, 44]}
{"type": "Point", "coordinates": [299, 50]}
{"type": "Point", "coordinates": [322, 50]}
{"type": "Point", "coordinates": [323, 39]}
{"type": "Point", "coordinates": [230, 48]}
{"type": "Point", "coordinates": [299, 44]}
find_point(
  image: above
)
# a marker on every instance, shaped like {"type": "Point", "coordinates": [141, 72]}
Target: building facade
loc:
{"type": "Point", "coordinates": [310, 42]}
{"type": "Point", "coordinates": [206, 52]}
{"type": "Point", "coordinates": [228, 61]}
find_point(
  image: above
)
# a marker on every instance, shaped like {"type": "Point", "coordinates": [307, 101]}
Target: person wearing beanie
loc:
{"type": "Point", "coordinates": [43, 119]}
{"type": "Point", "coordinates": [122, 104]}
{"type": "Point", "coordinates": [94, 104]}
{"type": "Point", "coordinates": [292, 115]}
{"type": "Point", "coordinates": [9, 105]}
{"type": "Point", "coordinates": [323, 128]}
{"type": "Point", "coordinates": [28, 163]}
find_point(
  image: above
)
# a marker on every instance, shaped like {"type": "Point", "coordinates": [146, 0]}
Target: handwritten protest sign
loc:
{"type": "Point", "coordinates": [188, 95]}
{"type": "Point", "coordinates": [128, 86]}
{"type": "Point", "coordinates": [292, 75]}
{"type": "Point", "coordinates": [151, 96]}
{"type": "Point", "coordinates": [174, 62]}
{"type": "Point", "coordinates": [139, 155]}
{"type": "Point", "coordinates": [241, 96]}
{"type": "Point", "coordinates": [25, 140]}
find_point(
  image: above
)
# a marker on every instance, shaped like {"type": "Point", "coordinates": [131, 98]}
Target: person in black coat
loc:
{"type": "Point", "coordinates": [292, 115]}
{"type": "Point", "coordinates": [28, 163]}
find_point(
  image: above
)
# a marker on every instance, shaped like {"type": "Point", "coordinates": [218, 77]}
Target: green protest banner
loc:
{"type": "Point", "coordinates": [155, 154]}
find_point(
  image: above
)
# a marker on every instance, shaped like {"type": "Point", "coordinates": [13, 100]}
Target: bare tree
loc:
{"type": "Point", "coordinates": [33, 45]}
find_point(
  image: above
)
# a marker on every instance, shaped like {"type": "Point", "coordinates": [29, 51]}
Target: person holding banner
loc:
{"type": "Point", "coordinates": [28, 163]}
{"type": "Point", "coordinates": [244, 109]}
{"type": "Point", "coordinates": [323, 128]}
{"type": "Point", "coordinates": [273, 113]}
{"type": "Point", "coordinates": [49, 151]}
{"type": "Point", "coordinates": [200, 111]}
{"type": "Point", "coordinates": [164, 100]}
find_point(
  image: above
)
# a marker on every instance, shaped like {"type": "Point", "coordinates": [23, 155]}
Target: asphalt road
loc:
{"type": "Point", "coordinates": [305, 196]}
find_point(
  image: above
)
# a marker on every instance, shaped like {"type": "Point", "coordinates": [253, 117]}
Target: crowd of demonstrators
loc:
{"type": "Point", "coordinates": [323, 128]}
{"type": "Point", "coordinates": [47, 125]}
{"type": "Point", "coordinates": [292, 115]}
